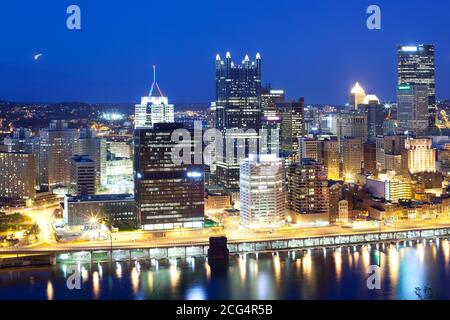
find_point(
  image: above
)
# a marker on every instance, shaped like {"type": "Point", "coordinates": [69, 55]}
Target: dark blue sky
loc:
{"type": "Point", "coordinates": [316, 49]}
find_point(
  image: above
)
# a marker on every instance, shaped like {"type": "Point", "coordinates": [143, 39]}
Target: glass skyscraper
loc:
{"type": "Point", "coordinates": [416, 67]}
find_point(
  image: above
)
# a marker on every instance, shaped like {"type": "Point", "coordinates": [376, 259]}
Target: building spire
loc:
{"type": "Point", "coordinates": [155, 84]}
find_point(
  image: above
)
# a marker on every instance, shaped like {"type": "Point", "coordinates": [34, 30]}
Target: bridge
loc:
{"type": "Point", "coordinates": [138, 252]}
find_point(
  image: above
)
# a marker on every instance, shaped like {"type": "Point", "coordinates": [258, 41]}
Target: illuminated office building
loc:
{"type": "Point", "coordinates": [292, 127]}
{"type": "Point", "coordinates": [238, 113]}
{"type": "Point", "coordinates": [269, 98]}
{"type": "Point", "coordinates": [308, 193]}
{"type": "Point", "coordinates": [17, 173]}
{"type": "Point", "coordinates": [351, 124]}
{"type": "Point", "coordinates": [82, 176]}
{"type": "Point", "coordinates": [262, 192]}
{"type": "Point", "coordinates": [389, 186]}
{"type": "Point", "coordinates": [353, 158]}
{"type": "Point", "coordinates": [416, 67]}
{"type": "Point", "coordinates": [58, 144]}
{"type": "Point", "coordinates": [168, 194]}
{"type": "Point", "coordinates": [237, 93]}
{"type": "Point", "coordinates": [331, 157]}
{"type": "Point", "coordinates": [412, 108]}
{"type": "Point", "coordinates": [389, 150]}
{"type": "Point", "coordinates": [95, 147]}
{"type": "Point", "coordinates": [419, 155]}
{"type": "Point", "coordinates": [311, 148]}
{"type": "Point", "coordinates": [154, 108]}
{"type": "Point", "coordinates": [357, 95]}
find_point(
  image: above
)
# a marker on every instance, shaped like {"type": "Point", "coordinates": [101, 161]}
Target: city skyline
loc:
{"type": "Point", "coordinates": [93, 60]}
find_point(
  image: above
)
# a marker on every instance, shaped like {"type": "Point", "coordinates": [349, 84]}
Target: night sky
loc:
{"type": "Point", "coordinates": [315, 49]}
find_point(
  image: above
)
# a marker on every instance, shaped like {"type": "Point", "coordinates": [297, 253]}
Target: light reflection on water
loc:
{"type": "Point", "coordinates": [334, 274]}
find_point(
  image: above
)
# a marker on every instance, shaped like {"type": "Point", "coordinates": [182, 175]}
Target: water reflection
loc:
{"type": "Point", "coordinates": [339, 274]}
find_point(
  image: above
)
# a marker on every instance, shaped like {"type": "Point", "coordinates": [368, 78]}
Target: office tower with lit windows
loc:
{"type": "Point", "coordinates": [238, 113]}
{"type": "Point", "coordinates": [412, 108]}
{"type": "Point", "coordinates": [419, 155]}
{"type": "Point", "coordinates": [308, 194]}
{"type": "Point", "coordinates": [416, 67]}
{"type": "Point", "coordinates": [23, 141]}
{"type": "Point", "coordinates": [331, 157]}
{"type": "Point", "coordinates": [169, 194]}
{"type": "Point", "coordinates": [262, 191]}
{"type": "Point", "coordinates": [292, 127]}
{"type": "Point", "coordinates": [353, 158]}
{"type": "Point", "coordinates": [95, 147]}
{"type": "Point", "coordinates": [268, 99]}
{"type": "Point", "coordinates": [17, 176]}
{"type": "Point", "coordinates": [57, 146]}
{"type": "Point", "coordinates": [311, 148]}
{"type": "Point", "coordinates": [237, 93]}
{"type": "Point", "coordinates": [82, 176]}
{"type": "Point", "coordinates": [154, 108]}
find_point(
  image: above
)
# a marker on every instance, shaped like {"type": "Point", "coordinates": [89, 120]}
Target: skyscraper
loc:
{"type": "Point", "coordinates": [419, 155]}
{"type": "Point", "coordinates": [17, 172]}
{"type": "Point", "coordinates": [82, 176]}
{"type": "Point", "coordinates": [353, 158]}
{"type": "Point", "coordinates": [154, 108]}
{"type": "Point", "coordinates": [168, 194]}
{"type": "Point", "coordinates": [357, 95]}
{"type": "Point", "coordinates": [416, 66]}
{"type": "Point", "coordinates": [237, 93]}
{"type": "Point", "coordinates": [308, 191]}
{"type": "Point", "coordinates": [238, 114]}
{"type": "Point", "coordinates": [57, 145]}
{"type": "Point", "coordinates": [412, 108]}
{"type": "Point", "coordinates": [269, 98]}
{"type": "Point", "coordinates": [95, 147]}
{"type": "Point", "coordinates": [262, 191]}
{"type": "Point", "coordinates": [292, 126]}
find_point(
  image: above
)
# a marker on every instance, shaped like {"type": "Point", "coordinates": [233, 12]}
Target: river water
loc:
{"type": "Point", "coordinates": [411, 271]}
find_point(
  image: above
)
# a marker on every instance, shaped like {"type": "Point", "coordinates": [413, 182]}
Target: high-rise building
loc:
{"type": "Point", "coordinates": [331, 157]}
{"type": "Point", "coordinates": [375, 120]}
{"type": "Point", "coordinates": [416, 66]}
{"type": "Point", "coordinates": [351, 124]}
{"type": "Point", "coordinates": [269, 98]}
{"type": "Point", "coordinates": [154, 108]}
{"type": "Point", "coordinates": [168, 194]}
{"type": "Point", "coordinates": [17, 173]}
{"type": "Point", "coordinates": [308, 191]}
{"type": "Point", "coordinates": [292, 127]}
{"type": "Point", "coordinates": [311, 148]}
{"type": "Point", "coordinates": [370, 151]}
{"type": "Point", "coordinates": [95, 148]}
{"type": "Point", "coordinates": [237, 93]}
{"type": "Point", "coordinates": [238, 114]}
{"type": "Point", "coordinates": [357, 95]}
{"type": "Point", "coordinates": [57, 146]}
{"type": "Point", "coordinates": [389, 150]}
{"type": "Point", "coordinates": [335, 194]}
{"type": "Point", "coordinates": [419, 155]}
{"type": "Point", "coordinates": [82, 176]}
{"type": "Point", "coordinates": [262, 191]}
{"type": "Point", "coordinates": [353, 158]}
{"type": "Point", "coordinates": [412, 108]}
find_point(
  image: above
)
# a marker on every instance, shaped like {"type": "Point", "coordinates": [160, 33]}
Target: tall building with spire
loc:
{"type": "Point", "coordinates": [154, 108]}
